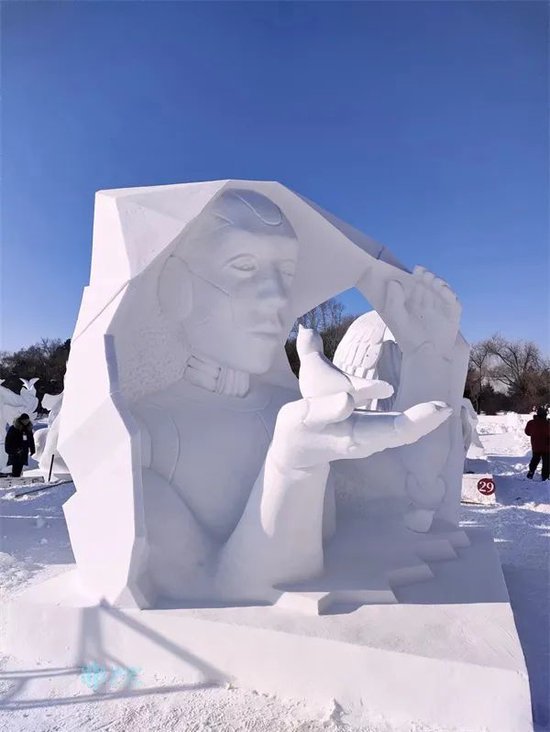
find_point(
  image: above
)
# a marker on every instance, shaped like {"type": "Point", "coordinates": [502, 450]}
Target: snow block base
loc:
{"type": "Point", "coordinates": [445, 657]}
{"type": "Point", "coordinates": [478, 488]}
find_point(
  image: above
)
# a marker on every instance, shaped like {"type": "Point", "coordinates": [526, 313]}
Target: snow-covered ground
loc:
{"type": "Point", "coordinates": [520, 523]}
{"type": "Point", "coordinates": [35, 545]}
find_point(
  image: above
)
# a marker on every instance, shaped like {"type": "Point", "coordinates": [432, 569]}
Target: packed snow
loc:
{"type": "Point", "coordinates": [35, 546]}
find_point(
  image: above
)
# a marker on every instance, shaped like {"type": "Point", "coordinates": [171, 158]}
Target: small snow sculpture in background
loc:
{"type": "Point", "coordinates": [47, 437]}
{"type": "Point", "coordinates": [11, 406]}
{"type": "Point", "coordinates": [473, 447]}
{"type": "Point", "coordinates": [28, 396]}
{"type": "Point", "coordinates": [52, 402]}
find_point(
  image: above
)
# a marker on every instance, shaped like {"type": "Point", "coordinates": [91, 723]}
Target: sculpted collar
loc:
{"type": "Point", "coordinates": [209, 375]}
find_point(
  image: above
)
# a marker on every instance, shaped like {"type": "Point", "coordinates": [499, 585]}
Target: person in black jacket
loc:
{"type": "Point", "coordinates": [19, 444]}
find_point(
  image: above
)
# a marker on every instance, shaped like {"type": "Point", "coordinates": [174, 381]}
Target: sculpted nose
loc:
{"type": "Point", "coordinates": [272, 289]}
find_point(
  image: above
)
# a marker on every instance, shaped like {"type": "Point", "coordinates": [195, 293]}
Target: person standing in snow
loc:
{"type": "Point", "coordinates": [19, 444]}
{"type": "Point", "coordinates": [538, 430]}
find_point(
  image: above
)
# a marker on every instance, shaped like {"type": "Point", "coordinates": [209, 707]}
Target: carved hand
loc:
{"type": "Point", "coordinates": [421, 310]}
{"type": "Point", "coordinates": [324, 426]}
{"type": "Point", "coordinates": [312, 432]}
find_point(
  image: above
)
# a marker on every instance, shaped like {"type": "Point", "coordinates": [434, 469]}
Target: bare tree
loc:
{"type": "Point", "coordinates": [45, 360]}
{"type": "Point", "coordinates": [516, 369]}
{"type": "Point", "coordinates": [479, 371]}
{"type": "Point", "coordinates": [518, 366]}
{"type": "Point", "coordinates": [326, 315]}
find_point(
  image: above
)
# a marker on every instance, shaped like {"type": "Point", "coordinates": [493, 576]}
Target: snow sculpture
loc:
{"type": "Point", "coordinates": [5, 394]}
{"type": "Point", "coordinates": [368, 349]}
{"type": "Point", "coordinates": [473, 447]}
{"type": "Point", "coordinates": [46, 439]}
{"type": "Point", "coordinates": [478, 484]}
{"type": "Point", "coordinates": [52, 402]}
{"type": "Point", "coordinates": [318, 377]}
{"type": "Point", "coordinates": [211, 477]}
{"type": "Point", "coordinates": [205, 471]}
{"type": "Point", "coordinates": [476, 464]}
{"type": "Point", "coordinates": [11, 406]}
{"type": "Point", "coordinates": [28, 396]}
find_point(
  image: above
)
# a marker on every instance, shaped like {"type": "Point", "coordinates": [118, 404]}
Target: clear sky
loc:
{"type": "Point", "coordinates": [425, 124]}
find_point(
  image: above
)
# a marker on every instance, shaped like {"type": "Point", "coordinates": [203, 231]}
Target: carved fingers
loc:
{"type": "Point", "coordinates": [421, 310]}
{"type": "Point", "coordinates": [396, 300]}
{"type": "Point", "coordinates": [315, 431]}
{"type": "Point", "coordinates": [373, 432]}
{"type": "Point", "coordinates": [433, 293]}
{"type": "Point", "coordinates": [422, 419]}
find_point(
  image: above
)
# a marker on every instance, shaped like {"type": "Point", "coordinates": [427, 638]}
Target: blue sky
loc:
{"type": "Point", "coordinates": [425, 124]}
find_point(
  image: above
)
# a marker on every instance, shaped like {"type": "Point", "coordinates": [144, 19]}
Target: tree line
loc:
{"type": "Point", "coordinates": [503, 375]}
{"type": "Point", "coordinates": [46, 360]}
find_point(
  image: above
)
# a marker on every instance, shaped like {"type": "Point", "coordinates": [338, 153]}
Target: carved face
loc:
{"type": "Point", "coordinates": [240, 284]}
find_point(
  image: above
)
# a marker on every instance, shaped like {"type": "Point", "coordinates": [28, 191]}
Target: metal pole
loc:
{"type": "Point", "coordinates": [51, 467]}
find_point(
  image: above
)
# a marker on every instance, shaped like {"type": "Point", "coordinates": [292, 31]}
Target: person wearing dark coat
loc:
{"type": "Point", "coordinates": [19, 444]}
{"type": "Point", "coordinates": [538, 430]}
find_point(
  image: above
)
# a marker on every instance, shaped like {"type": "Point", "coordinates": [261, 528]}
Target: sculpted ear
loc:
{"type": "Point", "coordinates": [174, 289]}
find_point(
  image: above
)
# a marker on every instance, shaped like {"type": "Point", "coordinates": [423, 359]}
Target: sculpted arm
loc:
{"type": "Point", "coordinates": [280, 536]}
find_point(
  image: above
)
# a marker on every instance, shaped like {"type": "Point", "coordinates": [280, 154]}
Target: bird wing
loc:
{"type": "Point", "coordinates": [319, 377]}
{"type": "Point", "coordinates": [367, 389]}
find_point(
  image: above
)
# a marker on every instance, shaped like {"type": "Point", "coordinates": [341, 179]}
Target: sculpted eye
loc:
{"type": "Point", "coordinates": [244, 263]}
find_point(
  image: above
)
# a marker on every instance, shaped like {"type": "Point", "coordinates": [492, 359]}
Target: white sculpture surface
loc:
{"type": "Point", "coordinates": [28, 396]}
{"type": "Point", "coordinates": [52, 402]}
{"type": "Point", "coordinates": [218, 473]}
{"type": "Point", "coordinates": [46, 439]}
{"type": "Point", "coordinates": [12, 404]}
{"type": "Point", "coordinates": [368, 349]}
{"type": "Point", "coordinates": [473, 447]}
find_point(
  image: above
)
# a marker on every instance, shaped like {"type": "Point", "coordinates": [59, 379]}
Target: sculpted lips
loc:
{"type": "Point", "coordinates": [267, 331]}
{"type": "Point", "coordinates": [272, 326]}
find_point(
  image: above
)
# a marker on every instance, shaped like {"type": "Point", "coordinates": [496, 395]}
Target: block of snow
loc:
{"type": "Point", "coordinates": [422, 662]}
{"type": "Point", "coordinates": [479, 488]}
